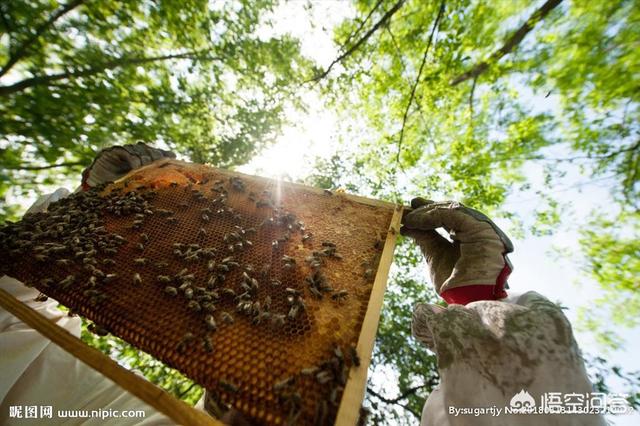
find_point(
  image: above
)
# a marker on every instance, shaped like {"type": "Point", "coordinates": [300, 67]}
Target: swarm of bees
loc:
{"type": "Point", "coordinates": [73, 235]}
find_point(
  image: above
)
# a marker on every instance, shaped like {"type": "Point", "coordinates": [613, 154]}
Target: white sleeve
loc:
{"type": "Point", "coordinates": [490, 351]}
{"type": "Point", "coordinates": [36, 372]}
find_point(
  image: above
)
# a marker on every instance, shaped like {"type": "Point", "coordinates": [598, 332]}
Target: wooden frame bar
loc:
{"type": "Point", "coordinates": [177, 410]}
{"type": "Point", "coordinates": [353, 395]}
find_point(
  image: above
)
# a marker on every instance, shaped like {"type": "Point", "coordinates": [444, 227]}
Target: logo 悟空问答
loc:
{"type": "Point", "coordinates": [522, 402]}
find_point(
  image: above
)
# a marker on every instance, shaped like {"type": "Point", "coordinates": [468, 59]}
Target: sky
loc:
{"type": "Point", "coordinates": [537, 267]}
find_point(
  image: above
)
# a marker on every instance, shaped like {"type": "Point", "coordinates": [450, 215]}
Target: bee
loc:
{"type": "Point", "coordinates": [293, 312]}
{"type": "Point", "coordinates": [213, 280]}
{"type": "Point", "coordinates": [340, 295]}
{"type": "Point", "coordinates": [315, 292]}
{"type": "Point", "coordinates": [355, 359]}
{"type": "Point", "coordinates": [333, 397]}
{"type": "Point", "coordinates": [194, 306]}
{"type": "Point", "coordinates": [226, 317]}
{"type": "Point", "coordinates": [163, 279]}
{"type": "Point", "coordinates": [63, 262]}
{"type": "Point", "coordinates": [186, 339]}
{"type": "Point", "coordinates": [289, 262]}
{"type": "Point", "coordinates": [140, 246]}
{"type": "Point", "coordinates": [144, 237]}
{"type": "Point", "coordinates": [161, 265]}
{"type": "Point", "coordinates": [324, 377]}
{"type": "Point", "coordinates": [97, 330]}
{"type": "Point", "coordinates": [140, 261]}
{"type": "Point", "coordinates": [306, 237]}
{"type": "Point", "coordinates": [108, 262]}
{"type": "Point", "coordinates": [310, 371]}
{"type": "Point", "coordinates": [276, 283]}
{"type": "Point", "coordinates": [164, 212]}
{"type": "Point", "coordinates": [278, 386]}
{"type": "Point", "coordinates": [228, 386]}
{"type": "Point", "coordinates": [171, 291]}
{"type": "Point", "coordinates": [207, 306]}
{"type": "Point", "coordinates": [172, 220]}
{"type": "Point", "coordinates": [67, 281]}
{"type": "Point", "coordinates": [110, 277]}
{"type": "Point", "coordinates": [43, 258]}
{"type": "Point", "coordinates": [292, 291]}
{"type": "Point", "coordinates": [136, 279]}
{"type": "Point", "coordinates": [188, 291]}
{"type": "Point", "coordinates": [229, 292]}
{"type": "Point", "coordinates": [210, 322]}
{"type": "Point", "coordinates": [207, 343]}
{"type": "Point", "coordinates": [183, 205]}
{"type": "Point", "coordinates": [137, 224]}
{"type": "Point", "coordinates": [320, 416]}
{"type": "Point", "coordinates": [46, 282]}
{"type": "Point", "coordinates": [41, 297]}
{"type": "Point", "coordinates": [205, 217]}
{"type": "Point", "coordinates": [174, 184]}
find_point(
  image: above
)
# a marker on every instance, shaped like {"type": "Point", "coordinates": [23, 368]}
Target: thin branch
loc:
{"type": "Point", "coordinates": [357, 44]}
{"type": "Point", "coordinates": [504, 157]}
{"type": "Point", "coordinates": [415, 84]}
{"type": "Point", "coordinates": [183, 393]}
{"type": "Point", "coordinates": [120, 62]}
{"type": "Point", "coordinates": [511, 43]}
{"type": "Point", "coordinates": [471, 93]}
{"type": "Point", "coordinates": [362, 24]}
{"type": "Point", "coordinates": [23, 49]}
{"type": "Point", "coordinates": [49, 166]}
{"type": "Point", "coordinates": [397, 400]}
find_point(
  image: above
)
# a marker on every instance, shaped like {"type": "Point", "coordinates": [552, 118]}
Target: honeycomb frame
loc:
{"type": "Point", "coordinates": [301, 371]}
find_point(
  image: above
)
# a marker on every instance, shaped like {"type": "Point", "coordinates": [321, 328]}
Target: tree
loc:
{"type": "Point", "coordinates": [81, 75]}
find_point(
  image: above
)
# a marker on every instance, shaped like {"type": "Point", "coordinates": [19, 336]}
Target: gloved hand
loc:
{"type": "Point", "coordinates": [114, 162]}
{"type": "Point", "coordinates": [472, 267]}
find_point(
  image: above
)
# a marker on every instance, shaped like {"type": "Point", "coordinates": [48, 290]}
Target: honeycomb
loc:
{"type": "Point", "coordinates": [255, 289]}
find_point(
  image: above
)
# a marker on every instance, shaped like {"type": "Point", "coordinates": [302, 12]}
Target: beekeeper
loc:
{"type": "Point", "coordinates": [494, 351]}
{"type": "Point", "coordinates": [490, 347]}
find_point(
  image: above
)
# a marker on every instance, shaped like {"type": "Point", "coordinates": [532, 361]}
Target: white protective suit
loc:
{"type": "Point", "coordinates": [490, 351]}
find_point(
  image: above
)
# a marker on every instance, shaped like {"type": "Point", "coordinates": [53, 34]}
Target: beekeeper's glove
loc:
{"type": "Point", "coordinates": [472, 267]}
{"type": "Point", "coordinates": [112, 163]}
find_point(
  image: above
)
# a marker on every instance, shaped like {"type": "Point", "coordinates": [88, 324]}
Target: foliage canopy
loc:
{"type": "Point", "coordinates": [81, 75]}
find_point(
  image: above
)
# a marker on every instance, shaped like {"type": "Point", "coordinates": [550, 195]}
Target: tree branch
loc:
{"type": "Point", "coordinates": [362, 24]}
{"type": "Point", "coordinates": [120, 62]}
{"type": "Point", "coordinates": [471, 93]}
{"type": "Point", "coordinates": [511, 43]}
{"type": "Point", "coordinates": [186, 391]}
{"type": "Point", "coordinates": [357, 44]}
{"type": "Point", "coordinates": [415, 84]}
{"type": "Point", "coordinates": [49, 166]}
{"type": "Point", "coordinates": [397, 400]}
{"type": "Point", "coordinates": [23, 49]}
